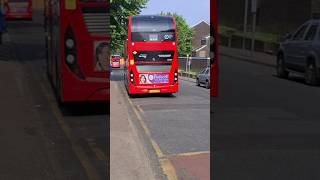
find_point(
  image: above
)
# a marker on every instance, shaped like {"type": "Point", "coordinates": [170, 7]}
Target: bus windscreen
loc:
{"type": "Point", "coordinates": [153, 29]}
{"type": "Point", "coordinates": [153, 56]}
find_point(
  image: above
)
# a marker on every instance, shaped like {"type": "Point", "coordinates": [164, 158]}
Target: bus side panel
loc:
{"type": "Point", "coordinates": [214, 73]}
{"type": "Point", "coordinates": [91, 87]}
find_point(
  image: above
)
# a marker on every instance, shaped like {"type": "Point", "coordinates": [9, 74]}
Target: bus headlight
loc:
{"type": "Point", "coordinates": [71, 53]}
{"type": "Point", "coordinates": [70, 43]}
{"type": "Point", "coordinates": [71, 59]}
{"type": "Point", "coordinates": [176, 76]}
{"type": "Point", "coordinates": [131, 77]}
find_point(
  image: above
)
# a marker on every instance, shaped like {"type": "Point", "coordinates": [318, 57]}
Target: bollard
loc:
{"type": "Point", "coordinates": [187, 61]}
{"type": "Point", "coordinates": [189, 64]}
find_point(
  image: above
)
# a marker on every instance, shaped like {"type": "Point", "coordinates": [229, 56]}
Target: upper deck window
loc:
{"type": "Point", "coordinates": [153, 29]}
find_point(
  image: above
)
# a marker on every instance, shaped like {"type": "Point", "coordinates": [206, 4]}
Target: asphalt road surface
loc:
{"type": "Point", "coordinates": [57, 142]}
{"type": "Point", "coordinates": [264, 127]}
{"type": "Point", "coordinates": [179, 125]}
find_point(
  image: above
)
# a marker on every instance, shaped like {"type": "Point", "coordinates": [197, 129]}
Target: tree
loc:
{"type": "Point", "coordinates": [185, 34]}
{"type": "Point", "coordinates": [120, 11]}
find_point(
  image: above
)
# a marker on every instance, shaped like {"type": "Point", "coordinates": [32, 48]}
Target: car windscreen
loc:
{"type": "Point", "coordinates": [153, 29]}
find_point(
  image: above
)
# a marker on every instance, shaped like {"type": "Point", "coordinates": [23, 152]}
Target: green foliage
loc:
{"type": "Point", "coordinates": [120, 11]}
{"type": "Point", "coordinates": [185, 34]}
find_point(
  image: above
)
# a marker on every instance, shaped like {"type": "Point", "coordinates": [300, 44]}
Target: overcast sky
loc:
{"type": "Point", "coordinates": [192, 11]}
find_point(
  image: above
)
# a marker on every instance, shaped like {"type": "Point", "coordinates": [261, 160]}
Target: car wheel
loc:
{"type": "Point", "coordinates": [197, 82]}
{"type": "Point", "coordinates": [281, 72]}
{"type": "Point", "coordinates": [207, 84]}
{"type": "Point", "coordinates": [311, 74]}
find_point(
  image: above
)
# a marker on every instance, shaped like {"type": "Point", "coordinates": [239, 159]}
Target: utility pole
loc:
{"type": "Point", "coordinates": [254, 19]}
{"type": "Point", "coordinates": [245, 23]}
{"type": "Point", "coordinates": [315, 9]}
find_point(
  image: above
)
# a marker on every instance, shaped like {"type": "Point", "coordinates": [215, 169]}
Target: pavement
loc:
{"type": "Point", "coordinates": [264, 127]}
{"type": "Point", "coordinates": [42, 140]}
{"type": "Point", "coordinates": [245, 55]}
{"type": "Point", "coordinates": [187, 79]}
{"type": "Point", "coordinates": [129, 159]}
{"type": "Point", "coordinates": [31, 150]}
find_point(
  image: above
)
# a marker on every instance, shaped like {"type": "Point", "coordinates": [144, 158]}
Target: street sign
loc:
{"type": "Point", "coordinates": [254, 6]}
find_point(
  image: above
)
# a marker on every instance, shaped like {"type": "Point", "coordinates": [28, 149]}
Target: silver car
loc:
{"type": "Point", "coordinates": [204, 77]}
{"type": "Point", "coordinates": [300, 52]}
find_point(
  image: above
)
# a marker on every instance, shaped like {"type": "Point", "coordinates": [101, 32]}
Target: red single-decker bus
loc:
{"type": "Point", "coordinates": [152, 56]}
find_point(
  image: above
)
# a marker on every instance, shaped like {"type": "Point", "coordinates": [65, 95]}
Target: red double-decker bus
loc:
{"type": "Point", "coordinates": [18, 9]}
{"type": "Point", "coordinates": [214, 49]}
{"type": "Point", "coordinates": [152, 56]}
{"type": "Point", "coordinates": [78, 53]}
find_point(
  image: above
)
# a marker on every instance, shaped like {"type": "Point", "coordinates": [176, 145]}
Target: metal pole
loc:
{"type": "Point", "coordinates": [189, 64]}
{"type": "Point", "coordinates": [245, 24]}
{"type": "Point", "coordinates": [254, 17]}
{"type": "Point", "coordinates": [187, 61]}
{"type": "Point", "coordinates": [253, 31]}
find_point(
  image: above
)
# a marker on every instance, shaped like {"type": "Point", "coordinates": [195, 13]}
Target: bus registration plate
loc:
{"type": "Point", "coordinates": [154, 91]}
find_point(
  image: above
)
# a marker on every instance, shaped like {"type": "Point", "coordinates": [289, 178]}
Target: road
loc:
{"type": "Point", "coordinates": [178, 127]}
{"type": "Point", "coordinates": [42, 140]}
{"type": "Point", "coordinates": [264, 127]}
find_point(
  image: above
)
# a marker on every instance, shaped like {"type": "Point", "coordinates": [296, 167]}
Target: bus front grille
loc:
{"type": "Point", "coordinates": [97, 22]}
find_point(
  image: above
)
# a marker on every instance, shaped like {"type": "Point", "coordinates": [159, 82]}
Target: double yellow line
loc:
{"type": "Point", "coordinates": [165, 163]}
{"type": "Point", "coordinates": [91, 171]}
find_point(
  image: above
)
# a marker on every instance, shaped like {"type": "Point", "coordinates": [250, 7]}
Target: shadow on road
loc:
{"type": "Point", "coordinates": [85, 109]}
{"type": "Point", "coordinates": [296, 78]}
{"type": "Point", "coordinates": [152, 96]}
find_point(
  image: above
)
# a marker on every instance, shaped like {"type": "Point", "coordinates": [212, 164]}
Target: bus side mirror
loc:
{"type": "Point", "coordinates": [71, 4]}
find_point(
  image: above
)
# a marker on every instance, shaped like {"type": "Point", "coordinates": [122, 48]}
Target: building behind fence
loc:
{"type": "Point", "coordinates": [193, 65]}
